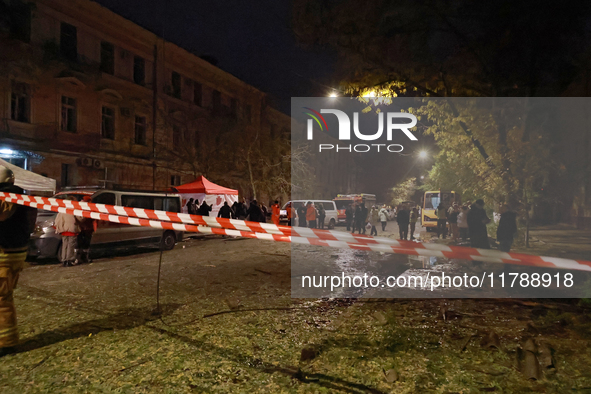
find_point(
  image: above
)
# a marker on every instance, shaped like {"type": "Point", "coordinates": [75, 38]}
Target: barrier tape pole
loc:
{"type": "Point", "coordinates": [445, 251]}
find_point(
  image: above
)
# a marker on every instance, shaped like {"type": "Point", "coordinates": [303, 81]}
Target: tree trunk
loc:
{"type": "Point", "coordinates": [254, 190]}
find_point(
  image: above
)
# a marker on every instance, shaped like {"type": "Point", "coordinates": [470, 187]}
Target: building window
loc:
{"type": "Point", "coordinates": [69, 42]}
{"type": "Point", "coordinates": [65, 175]}
{"type": "Point", "coordinates": [234, 108]}
{"type": "Point", "coordinates": [176, 85]}
{"type": "Point", "coordinates": [140, 130]}
{"type": "Point", "coordinates": [175, 180]}
{"type": "Point", "coordinates": [216, 99]}
{"type": "Point", "coordinates": [198, 94]}
{"type": "Point", "coordinates": [248, 113]}
{"type": "Point", "coordinates": [107, 58]}
{"type": "Point", "coordinates": [108, 123]}
{"type": "Point", "coordinates": [176, 136]}
{"type": "Point", "coordinates": [139, 70]}
{"type": "Point", "coordinates": [20, 21]}
{"type": "Point", "coordinates": [20, 102]}
{"type": "Point", "coordinates": [69, 121]}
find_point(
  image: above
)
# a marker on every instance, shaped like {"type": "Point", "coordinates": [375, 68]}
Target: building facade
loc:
{"type": "Point", "coordinates": [89, 98]}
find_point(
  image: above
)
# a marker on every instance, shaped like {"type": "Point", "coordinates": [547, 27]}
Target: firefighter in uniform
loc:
{"type": "Point", "coordinates": [16, 224]}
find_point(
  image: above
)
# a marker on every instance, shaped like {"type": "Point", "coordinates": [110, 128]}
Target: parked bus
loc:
{"type": "Point", "coordinates": [342, 201]}
{"type": "Point", "coordinates": [431, 201]}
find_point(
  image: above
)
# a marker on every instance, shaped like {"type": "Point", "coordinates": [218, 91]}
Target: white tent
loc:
{"type": "Point", "coordinates": [29, 180]}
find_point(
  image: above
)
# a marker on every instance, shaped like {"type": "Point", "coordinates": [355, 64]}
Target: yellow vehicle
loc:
{"type": "Point", "coordinates": [431, 201]}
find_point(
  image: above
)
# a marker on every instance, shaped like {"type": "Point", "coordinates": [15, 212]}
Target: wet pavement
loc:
{"type": "Point", "coordinates": [346, 273]}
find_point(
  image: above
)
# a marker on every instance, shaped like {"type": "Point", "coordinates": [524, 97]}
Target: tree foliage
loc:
{"type": "Point", "coordinates": [404, 191]}
{"type": "Point", "coordinates": [429, 48]}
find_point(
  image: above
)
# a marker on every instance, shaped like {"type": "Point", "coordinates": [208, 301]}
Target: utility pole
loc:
{"type": "Point", "coordinates": [154, 112]}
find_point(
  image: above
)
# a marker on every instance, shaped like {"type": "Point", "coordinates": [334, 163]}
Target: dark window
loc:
{"type": "Point", "coordinates": [198, 94]}
{"type": "Point", "coordinates": [139, 70]}
{"type": "Point", "coordinates": [20, 102]}
{"type": "Point", "coordinates": [135, 201]}
{"type": "Point", "coordinates": [17, 161]}
{"type": "Point", "coordinates": [108, 123]}
{"type": "Point", "coordinates": [248, 113]}
{"type": "Point", "coordinates": [68, 114]}
{"type": "Point", "coordinates": [140, 130]}
{"type": "Point", "coordinates": [197, 142]}
{"type": "Point", "coordinates": [170, 204]}
{"type": "Point", "coordinates": [175, 180]}
{"type": "Point", "coordinates": [176, 136]}
{"type": "Point", "coordinates": [69, 42]}
{"type": "Point", "coordinates": [234, 107]}
{"type": "Point", "coordinates": [104, 198]}
{"type": "Point", "coordinates": [216, 98]}
{"type": "Point", "coordinates": [176, 84]}
{"type": "Point", "coordinates": [65, 175]}
{"type": "Point", "coordinates": [107, 58]}
{"type": "Point", "coordinates": [20, 21]}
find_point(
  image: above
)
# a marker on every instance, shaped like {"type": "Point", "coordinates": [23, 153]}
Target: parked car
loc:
{"type": "Point", "coordinates": [332, 215]}
{"type": "Point", "coordinates": [45, 242]}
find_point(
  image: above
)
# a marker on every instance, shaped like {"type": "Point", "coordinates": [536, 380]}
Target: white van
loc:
{"type": "Point", "coordinates": [332, 215]}
{"type": "Point", "coordinates": [46, 243]}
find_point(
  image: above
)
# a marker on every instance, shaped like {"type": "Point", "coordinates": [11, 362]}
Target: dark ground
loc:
{"type": "Point", "coordinates": [229, 325]}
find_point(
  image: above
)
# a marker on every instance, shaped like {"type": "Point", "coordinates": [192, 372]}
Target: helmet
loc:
{"type": "Point", "coordinates": [6, 175]}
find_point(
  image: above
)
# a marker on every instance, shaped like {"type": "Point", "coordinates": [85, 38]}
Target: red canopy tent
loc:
{"type": "Point", "coordinates": [202, 189]}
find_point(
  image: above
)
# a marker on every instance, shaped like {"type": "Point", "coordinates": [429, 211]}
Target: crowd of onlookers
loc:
{"type": "Point", "coordinates": [468, 222]}
{"type": "Point", "coordinates": [255, 212]}
{"type": "Point", "coordinates": [462, 223]}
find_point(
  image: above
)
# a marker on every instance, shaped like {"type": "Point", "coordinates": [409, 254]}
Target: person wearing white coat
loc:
{"type": "Point", "coordinates": [383, 217]}
{"type": "Point", "coordinates": [374, 217]}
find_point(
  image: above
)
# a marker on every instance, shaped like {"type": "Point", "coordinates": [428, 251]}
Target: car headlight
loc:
{"type": "Point", "coordinates": [43, 227]}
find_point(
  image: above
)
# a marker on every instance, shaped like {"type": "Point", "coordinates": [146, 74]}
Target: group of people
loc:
{"type": "Point", "coordinates": [308, 215]}
{"type": "Point", "coordinates": [194, 208]}
{"type": "Point", "coordinates": [255, 212]}
{"type": "Point", "coordinates": [469, 222]}
{"type": "Point", "coordinates": [76, 235]}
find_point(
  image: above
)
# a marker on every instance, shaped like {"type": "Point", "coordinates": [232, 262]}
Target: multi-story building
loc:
{"type": "Point", "coordinates": [89, 98]}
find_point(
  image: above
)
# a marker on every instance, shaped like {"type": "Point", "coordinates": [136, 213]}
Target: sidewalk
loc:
{"type": "Point", "coordinates": [560, 240]}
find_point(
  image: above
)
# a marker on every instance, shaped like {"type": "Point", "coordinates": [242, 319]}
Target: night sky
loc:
{"type": "Point", "coordinates": [254, 41]}
{"type": "Point", "coordinates": [251, 40]}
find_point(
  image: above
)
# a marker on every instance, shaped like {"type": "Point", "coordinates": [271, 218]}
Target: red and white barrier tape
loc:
{"type": "Point", "coordinates": [337, 239]}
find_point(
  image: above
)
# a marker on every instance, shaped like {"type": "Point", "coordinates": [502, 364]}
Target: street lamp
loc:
{"type": "Point", "coordinates": [423, 154]}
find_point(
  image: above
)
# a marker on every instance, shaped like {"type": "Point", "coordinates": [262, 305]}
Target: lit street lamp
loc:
{"type": "Point", "coordinates": [423, 154]}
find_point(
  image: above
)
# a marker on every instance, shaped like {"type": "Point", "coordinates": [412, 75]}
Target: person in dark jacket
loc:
{"type": "Point", "coordinates": [204, 209]}
{"type": "Point", "coordinates": [302, 216]}
{"type": "Point", "coordinates": [87, 228]}
{"type": "Point", "coordinates": [349, 212]}
{"type": "Point", "coordinates": [225, 211]}
{"type": "Point", "coordinates": [441, 213]}
{"type": "Point", "coordinates": [16, 224]}
{"type": "Point", "coordinates": [255, 213]}
{"type": "Point", "coordinates": [477, 221]}
{"type": "Point", "coordinates": [360, 219]}
{"type": "Point", "coordinates": [191, 209]}
{"type": "Point", "coordinates": [403, 220]}
{"type": "Point", "coordinates": [507, 228]}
